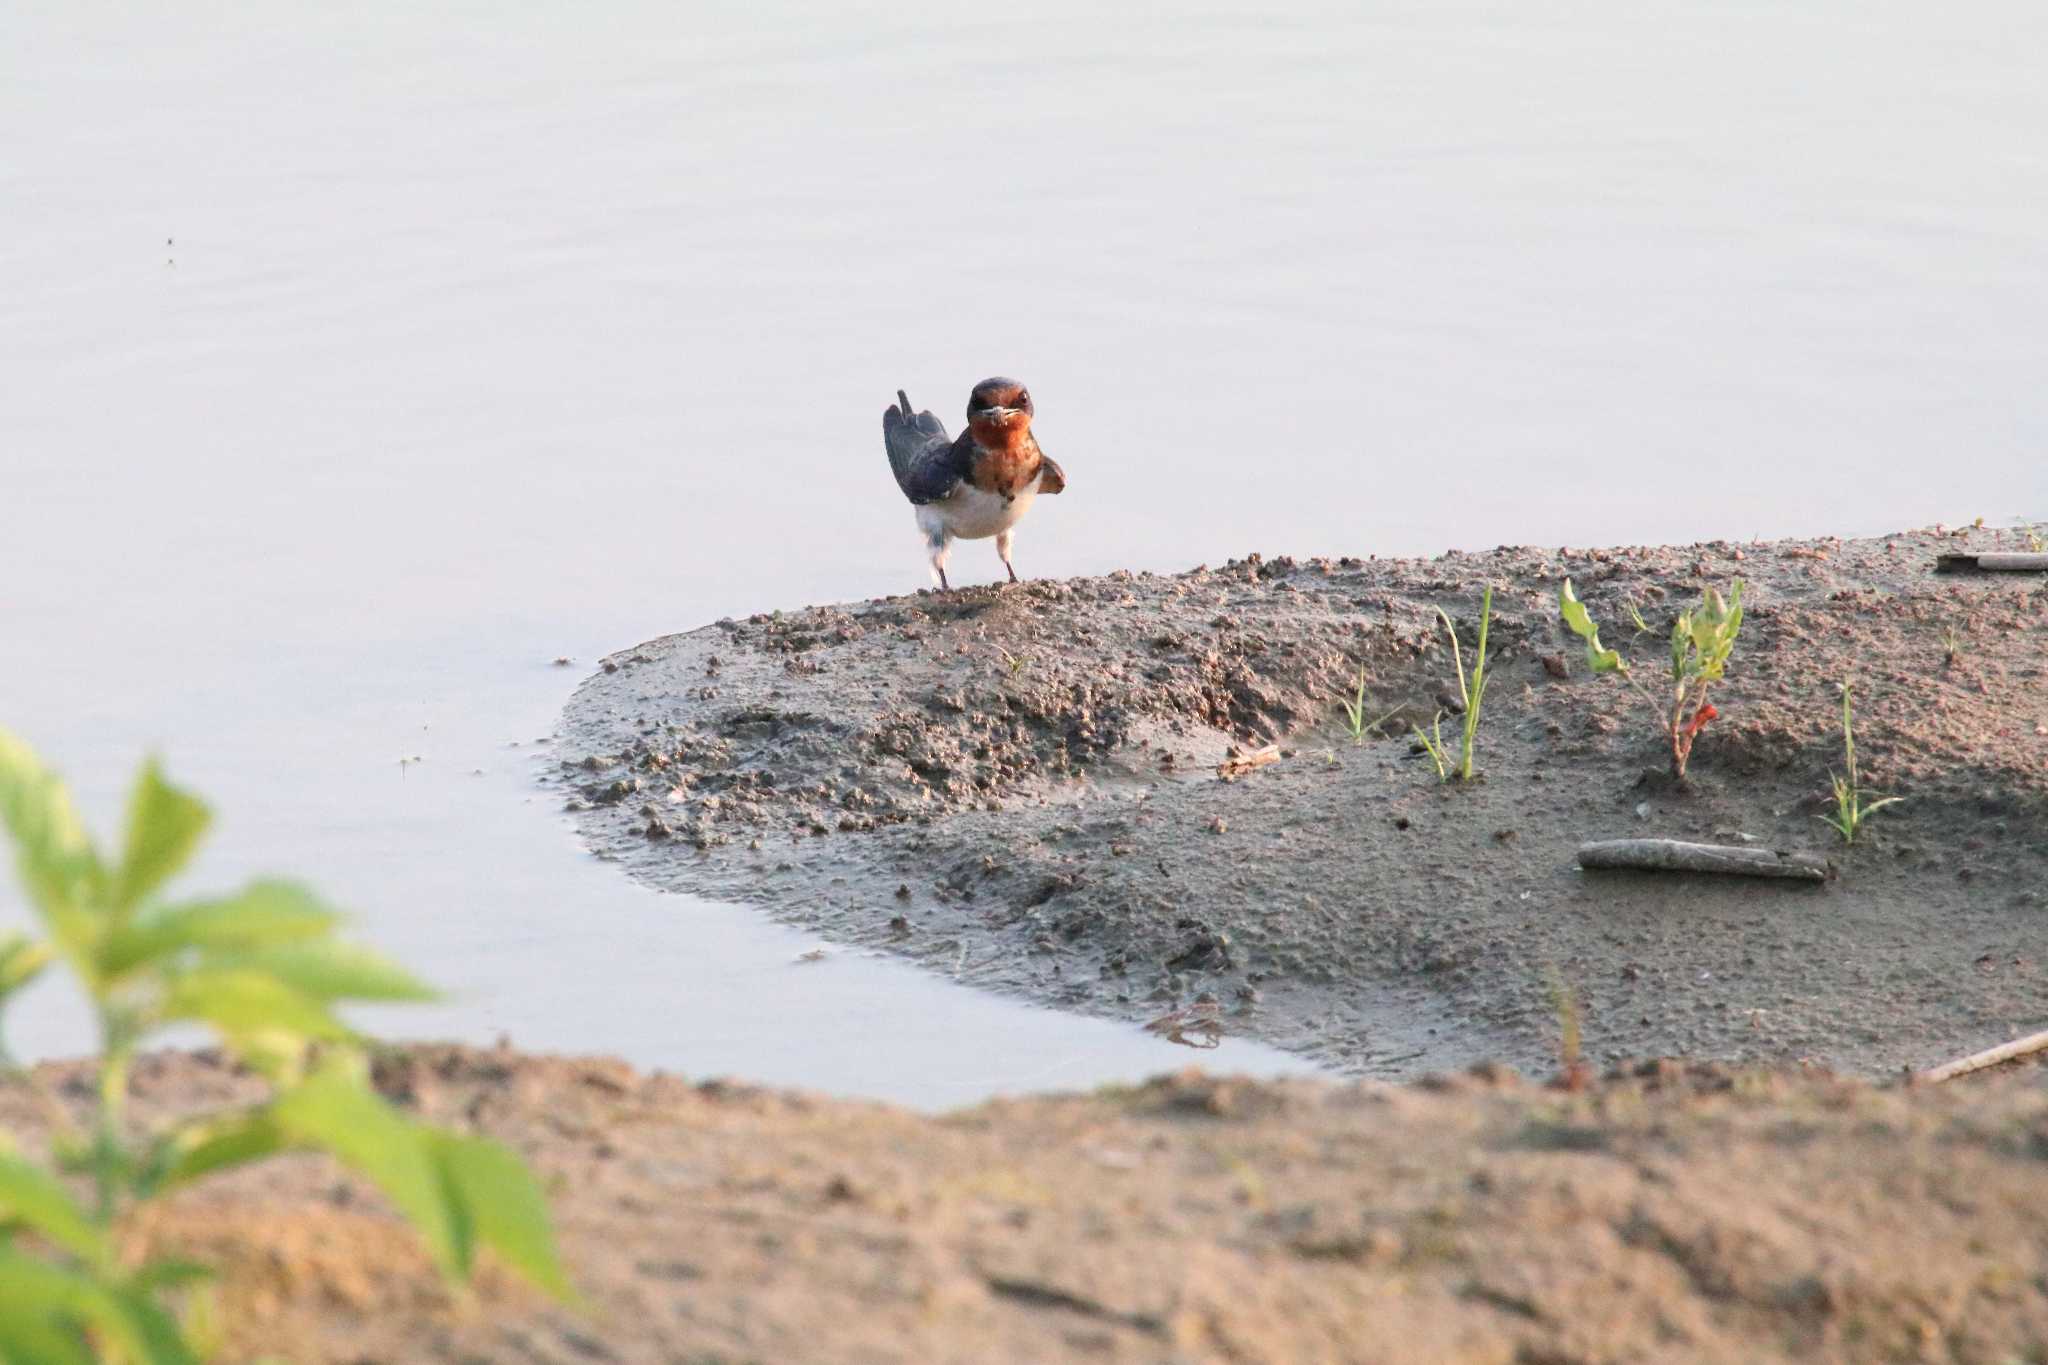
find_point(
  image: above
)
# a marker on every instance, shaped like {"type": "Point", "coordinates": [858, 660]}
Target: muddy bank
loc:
{"type": "Point", "coordinates": [1018, 787]}
{"type": "Point", "coordinates": [1676, 1213]}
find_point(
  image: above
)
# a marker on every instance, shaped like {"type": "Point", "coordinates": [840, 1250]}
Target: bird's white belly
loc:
{"type": "Point", "coordinates": [971, 514]}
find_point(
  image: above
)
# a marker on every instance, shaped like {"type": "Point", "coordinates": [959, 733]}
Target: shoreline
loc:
{"type": "Point", "coordinates": [1017, 786]}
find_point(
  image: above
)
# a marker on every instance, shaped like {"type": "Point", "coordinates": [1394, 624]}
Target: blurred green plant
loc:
{"type": "Point", "coordinates": [1471, 691]}
{"type": "Point", "coordinates": [264, 970]}
{"type": "Point", "coordinates": [1850, 812]}
{"type": "Point", "coordinates": [21, 959]}
{"type": "Point", "coordinates": [1702, 638]}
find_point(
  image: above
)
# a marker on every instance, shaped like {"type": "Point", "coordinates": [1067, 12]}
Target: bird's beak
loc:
{"type": "Point", "coordinates": [997, 414]}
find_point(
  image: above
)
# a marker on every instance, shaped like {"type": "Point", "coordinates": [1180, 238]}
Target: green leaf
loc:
{"type": "Point", "coordinates": [164, 827]}
{"type": "Point", "coordinates": [152, 1332]}
{"type": "Point", "coordinates": [336, 1112]}
{"type": "Point", "coordinates": [29, 1338]}
{"type": "Point", "coordinates": [1599, 658]}
{"type": "Point", "coordinates": [171, 1273]}
{"type": "Point", "coordinates": [30, 1195]}
{"type": "Point", "coordinates": [215, 1144]}
{"type": "Point", "coordinates": [337, 971]}
{"type": "Point", "coordinates": [39, 1313]}
{"type": "Point", "coordinates": [502, 1204]}
{"type": "Point", "coordinates": [1706, 631]}
{"type": "Point", "coordinates": [45, 1311]}
{"type": "Point", "coordinates": [263, 915]}
{"type": "Point", "coordinates": [53, 854]}
{"type": "Point", "coordinates": [1732, 626]}
{"type": "Point", "coordinates": [247, 1002]}
{"type": "Point", "coordinates": [457, 1191]}
{"type": "Point", "coordinates": [1709, 631]}
{"type": "Point", "coordinates": [1435, 747]}
{"type": "Point", "coordinates": [1457, 658]}
{"type": "Point", "coordinates": [21, 960]}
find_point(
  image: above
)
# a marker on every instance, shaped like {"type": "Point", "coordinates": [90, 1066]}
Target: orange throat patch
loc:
{"type": "Point", "coordinates": [1006, 459]}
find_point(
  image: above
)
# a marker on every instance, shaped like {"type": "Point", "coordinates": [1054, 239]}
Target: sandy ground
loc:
{"type": "Point", "coordinates": [1672, 1214]}
{"type": "Point", "coordinates": [1017, 786]}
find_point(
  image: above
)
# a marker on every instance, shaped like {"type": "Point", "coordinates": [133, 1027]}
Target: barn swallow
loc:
{"type": "Point", "coordinates": [978, 486]}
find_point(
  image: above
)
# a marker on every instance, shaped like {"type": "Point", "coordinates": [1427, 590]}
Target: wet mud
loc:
{"type": "Point", "coordinates": [1019, 787]}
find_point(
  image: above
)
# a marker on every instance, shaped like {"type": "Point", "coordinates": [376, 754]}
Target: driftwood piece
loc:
{"type": "Point", "coordinates": [1672, 855]}
{"type": "Point", "coordinates": [1990, 1056]}
{"type": "Point", "coordinates": [1238, 764]}
{"type": "Point", "coordinates": [1999, 562]}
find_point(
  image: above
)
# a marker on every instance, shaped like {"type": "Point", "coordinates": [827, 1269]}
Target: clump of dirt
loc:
{"type": "Point", "coordinates": [1019, 786]}
{"type": "Point", "coordinates": [1667, 1212]}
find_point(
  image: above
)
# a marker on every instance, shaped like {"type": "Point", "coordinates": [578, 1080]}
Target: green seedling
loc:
{"type": "Point", "coordinates": [1432, 742]}
{"type": "Point", "coordinates": [1354, 709]}
{"type": "Point", "coordinates": [1354, 712]}
{"type": "Point", "coordinates": [1702, 638]}
{"type": "Point", "coordinates": [264, 970]}
{"type": "Point", "coordinates": [1850, 811]}
{"type": "Point", "coordinates": [1471, 691]}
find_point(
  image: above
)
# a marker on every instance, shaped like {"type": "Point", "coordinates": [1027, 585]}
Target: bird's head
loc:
{"type": "Point", "coordinates": [999, 406]}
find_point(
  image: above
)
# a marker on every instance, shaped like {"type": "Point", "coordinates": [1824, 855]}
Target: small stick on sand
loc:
{"type": "Point", "coordinates": [2001, 562]}
{"type": "Point", "coordinates": [1671, 855]}
{"type": "Point", "coordinates": [1977, 1061]}
{"type": "Point", "coordinates": [1238, 764]}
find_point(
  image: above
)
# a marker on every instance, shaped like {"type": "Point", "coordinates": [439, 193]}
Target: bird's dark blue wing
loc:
{"type": "Point", "coordinates": [920, 453]}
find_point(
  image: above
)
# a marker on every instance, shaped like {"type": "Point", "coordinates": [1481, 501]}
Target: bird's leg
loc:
{"type": "Point", "coordinates": [1003, 549]}
{"type": "Point", "coordinates": [940, 545]}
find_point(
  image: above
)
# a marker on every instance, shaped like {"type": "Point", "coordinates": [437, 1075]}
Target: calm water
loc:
{"type": "Point", "coordinates": [353, 367]}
